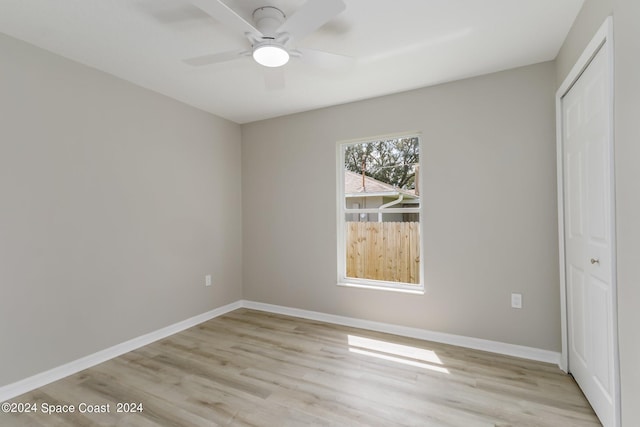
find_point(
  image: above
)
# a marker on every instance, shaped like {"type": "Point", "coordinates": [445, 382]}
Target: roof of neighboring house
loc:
{"type": "Point", "coordinates": [372, 187]}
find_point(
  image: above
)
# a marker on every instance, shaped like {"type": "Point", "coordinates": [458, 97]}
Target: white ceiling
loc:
{"type": "Point", "coordinates": [398, 45]}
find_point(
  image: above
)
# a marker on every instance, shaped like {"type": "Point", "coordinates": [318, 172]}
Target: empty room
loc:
{"type": "Point", "coordinates": [319, 212]}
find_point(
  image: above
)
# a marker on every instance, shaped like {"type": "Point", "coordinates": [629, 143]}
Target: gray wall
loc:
{"type": "Point", "coordinates": [627, 146]}
{"type": "Point", "coordinates": [627, 156]}
{"type": "Point", "coordinates": [115, 203]}
{"type": "Point", "coordinates": [490, 194]}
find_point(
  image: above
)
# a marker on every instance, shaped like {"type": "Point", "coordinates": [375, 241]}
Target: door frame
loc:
{"type": "Point", "coordinates": [603, 40]}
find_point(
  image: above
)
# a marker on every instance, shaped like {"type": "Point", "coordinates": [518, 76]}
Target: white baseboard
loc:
{"type": "Point", "coordinates": [524, 352]}
{"type": "Point", "coordinates": [23, 386]}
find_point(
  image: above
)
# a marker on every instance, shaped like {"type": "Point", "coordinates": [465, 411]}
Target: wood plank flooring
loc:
{"type": "Point", "coordinates": [250, 368]}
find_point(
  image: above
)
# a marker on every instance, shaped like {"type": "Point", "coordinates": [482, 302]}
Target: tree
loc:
{"type": "Point", "coordinates": [392, 161]}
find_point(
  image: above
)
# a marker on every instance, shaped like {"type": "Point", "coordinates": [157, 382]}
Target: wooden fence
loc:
{"type": "Point", "coordinates": [388, 251]}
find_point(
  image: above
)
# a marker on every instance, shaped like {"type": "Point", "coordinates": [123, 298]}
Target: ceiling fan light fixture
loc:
{"type": "Point", "coordinates": [270, 55]}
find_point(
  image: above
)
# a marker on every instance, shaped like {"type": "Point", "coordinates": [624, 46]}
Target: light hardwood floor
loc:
{"type": "Point", "coordinates": [250, 368]}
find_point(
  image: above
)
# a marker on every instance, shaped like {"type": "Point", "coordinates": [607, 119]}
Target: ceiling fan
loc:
{"type": "Point", "coordinates": [272, 34]}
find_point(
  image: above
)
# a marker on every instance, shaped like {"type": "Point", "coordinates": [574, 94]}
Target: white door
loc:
{"type": "Point", "coordinates": [588, 234]}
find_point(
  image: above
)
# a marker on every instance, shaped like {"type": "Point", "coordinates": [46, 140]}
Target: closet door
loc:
{"type": "Point", "coordinates": [588, 235]}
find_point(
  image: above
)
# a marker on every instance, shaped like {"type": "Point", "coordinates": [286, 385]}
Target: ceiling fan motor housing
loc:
{"type": "Point", "coordinates": [268, 19]}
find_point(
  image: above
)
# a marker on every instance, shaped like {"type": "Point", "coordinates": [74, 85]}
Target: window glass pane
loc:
{"type": "Point", "coordinates": [387, 251]}
{"type": "Point", "coordinates": [381, 178]}
{"type": "Point", "coordinates": [379, 172]}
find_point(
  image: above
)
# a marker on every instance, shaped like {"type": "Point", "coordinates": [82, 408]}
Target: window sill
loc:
{"type": "Point", "coordinates": [418, 291]}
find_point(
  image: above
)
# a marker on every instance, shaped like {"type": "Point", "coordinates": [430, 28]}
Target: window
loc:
{"type": "Point", "coordinates": [379, 213]}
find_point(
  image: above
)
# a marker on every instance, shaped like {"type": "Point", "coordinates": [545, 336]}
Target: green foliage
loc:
{"type": "Point", "coordinates": [392, 161]}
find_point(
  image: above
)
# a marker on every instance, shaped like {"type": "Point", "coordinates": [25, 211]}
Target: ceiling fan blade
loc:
{"type": "Point", "coordinates": [311, 16]}
{"type": "Point", "coordinates": [215, 58]}
{"type": "Point", "coordinates": [226, 16]}
{"type": "Point", "coordinates": [326, 60]}
{"type": "Point", "coordinates": [274, 78]}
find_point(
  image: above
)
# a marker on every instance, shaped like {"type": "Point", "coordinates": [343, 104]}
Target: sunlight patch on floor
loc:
{"type": "Point", "coordinates": [404, 354]}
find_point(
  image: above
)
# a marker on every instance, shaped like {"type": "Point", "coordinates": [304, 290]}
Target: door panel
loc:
{"type": "Point", "coordinates": [599, 292]}
{"type": "Point", "coordinates": [574, 207]}
{"type": "Point", "coordinates": [596, 180]}
{"type": "Point", "coordinates": [577, 293]}
{"type": "Point", "coordinates": [588, 235]}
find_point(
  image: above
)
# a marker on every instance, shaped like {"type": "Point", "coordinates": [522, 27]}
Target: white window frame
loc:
{"type": "Point", "coordinates": [342, 211]}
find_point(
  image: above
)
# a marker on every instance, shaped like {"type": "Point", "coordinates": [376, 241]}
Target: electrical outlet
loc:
{"type": "Point", "coordinates": [207, 280]}
{"type": "Point", "coordinates": [516, 300]}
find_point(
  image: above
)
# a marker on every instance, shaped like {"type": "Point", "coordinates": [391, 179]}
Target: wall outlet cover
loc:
{"type": "Point", "coordinates": [516, 300]}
